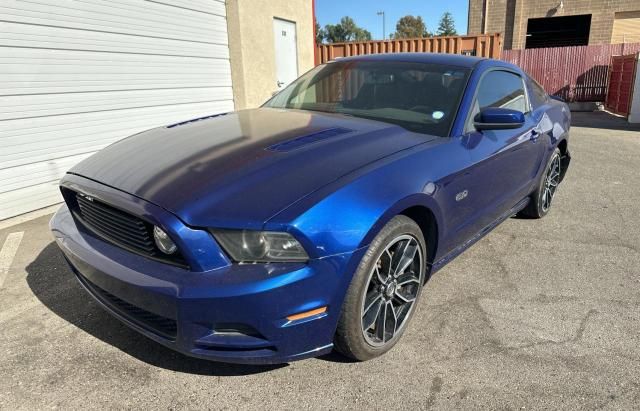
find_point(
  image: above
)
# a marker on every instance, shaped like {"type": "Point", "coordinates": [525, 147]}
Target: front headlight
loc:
{"type": "Point", "coordinates": [260, 246]}
{"type": "Point", "coordinates": [163, 241]}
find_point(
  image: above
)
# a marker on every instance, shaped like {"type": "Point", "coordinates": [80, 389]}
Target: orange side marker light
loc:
{"type": "Point", "coordinates": [306, 314]}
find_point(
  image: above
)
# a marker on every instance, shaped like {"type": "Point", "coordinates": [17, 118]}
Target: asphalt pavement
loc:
{"type": "Point", "coordinates": [538, 314]}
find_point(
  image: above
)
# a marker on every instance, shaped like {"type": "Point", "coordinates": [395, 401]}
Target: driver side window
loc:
{"type": "Point", "coordinates": [501, 89]}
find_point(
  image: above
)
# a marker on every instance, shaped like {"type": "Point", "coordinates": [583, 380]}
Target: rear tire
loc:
{"type": "Point", "coordinates": [384, 291]}
{"type": "Point", "coordinates": [542, 198]}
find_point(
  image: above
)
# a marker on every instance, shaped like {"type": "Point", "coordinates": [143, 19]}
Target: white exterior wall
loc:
{"type": "Point", "coordinates": [634, 113]}
{"type": "Point", "coordinates": [77, 75]}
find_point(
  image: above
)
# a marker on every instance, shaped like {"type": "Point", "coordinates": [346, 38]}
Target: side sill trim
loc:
{"type": "Point", "coordinates": [457, 251]}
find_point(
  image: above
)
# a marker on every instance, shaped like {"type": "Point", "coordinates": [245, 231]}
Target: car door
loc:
{"type": "Point", "coordinates": [505, 162]}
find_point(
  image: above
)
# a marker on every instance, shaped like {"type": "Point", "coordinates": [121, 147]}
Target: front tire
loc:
{"type": "Point", "coordinates": [384, 291]}
{"type": "Point", "coordinates": [542, 198]}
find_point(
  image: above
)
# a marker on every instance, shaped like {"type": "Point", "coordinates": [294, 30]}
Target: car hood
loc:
{"type": "Point", "coordinates": [239, 169]}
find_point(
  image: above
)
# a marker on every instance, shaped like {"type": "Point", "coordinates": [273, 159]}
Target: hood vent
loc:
{"type": "Point", "coordinates": [298, 142]}
{"type": "Point", "coordinates": [193, 120]}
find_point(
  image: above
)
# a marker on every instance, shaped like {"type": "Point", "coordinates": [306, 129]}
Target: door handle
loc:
{"type": "Point", "coordinates": [280, 83]}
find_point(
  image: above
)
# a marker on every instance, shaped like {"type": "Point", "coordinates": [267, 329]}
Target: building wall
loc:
{"type": "Point", "coordinates": [626, 27]}
{"type": "Point", "coordinates": [634, 114]}
{"type": "Point", "coordinates": [76, 76]}
{"type": "Point", "coordinates": [510, 17]}
{"type": "Point", "coordinates": [251, 45]}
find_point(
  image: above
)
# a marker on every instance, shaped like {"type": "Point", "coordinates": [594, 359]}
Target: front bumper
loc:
{"type": "Point", "coordinates": [235, 313]}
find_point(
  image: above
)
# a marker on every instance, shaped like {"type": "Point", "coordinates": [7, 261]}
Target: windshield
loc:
{"type": "Point", "coordinates": [422, 98]}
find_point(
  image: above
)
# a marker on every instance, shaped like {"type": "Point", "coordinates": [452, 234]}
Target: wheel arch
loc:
{"type": "Point", "coordinates": [565, 158]}
{"type": "Point", "coordinates": [422, 209]}
{"type": "Point", "coordinates": [428, 224]}
{"type": "Point", "coordinates": [563, 145]}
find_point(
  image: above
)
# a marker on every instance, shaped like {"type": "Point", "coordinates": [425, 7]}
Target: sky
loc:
{"type": "Point", "coordinates": [363, 13]}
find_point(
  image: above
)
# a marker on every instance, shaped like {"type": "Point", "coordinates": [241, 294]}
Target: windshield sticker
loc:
{"type": "Point", "coordinates": [437, 115]}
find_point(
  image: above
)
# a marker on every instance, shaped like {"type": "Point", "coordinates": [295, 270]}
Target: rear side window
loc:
{"type": "Point", "coordinates": [538, 95]}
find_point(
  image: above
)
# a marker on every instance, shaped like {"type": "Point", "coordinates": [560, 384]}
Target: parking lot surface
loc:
{"type": "Point", "coordinates": [538, 314]}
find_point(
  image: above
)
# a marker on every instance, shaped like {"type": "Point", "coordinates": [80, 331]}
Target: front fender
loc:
{"type": "Point", "coordinates": [341, 220]}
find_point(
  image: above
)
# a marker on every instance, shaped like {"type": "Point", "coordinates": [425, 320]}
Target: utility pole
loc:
{"type": "Point", "coordinates": [381, 13]}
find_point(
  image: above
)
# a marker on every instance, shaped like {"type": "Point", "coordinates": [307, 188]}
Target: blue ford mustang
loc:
{"type": "Point", "coordinates": [313, 222]}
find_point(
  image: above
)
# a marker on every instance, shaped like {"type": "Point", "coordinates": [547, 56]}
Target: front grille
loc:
{"type": "Point", "coordinates": [116, 225]}
{"type": "Point", "coordinates": [120, 228]}
{"type": "Point", "coordinates": [162, 326]}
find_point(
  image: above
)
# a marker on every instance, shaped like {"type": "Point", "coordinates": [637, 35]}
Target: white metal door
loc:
{"type": "Point", "coordinates": [286, 54]}
{"type": "Point", "coordinates": [76, 76]}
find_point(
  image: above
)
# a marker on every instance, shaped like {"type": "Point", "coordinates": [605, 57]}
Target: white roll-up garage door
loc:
{"type": "Point", "coordinates": [77, 75]}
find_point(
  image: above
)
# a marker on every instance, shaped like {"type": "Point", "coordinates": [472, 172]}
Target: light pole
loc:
{"type": "Point", "coordinates": [381, 13]}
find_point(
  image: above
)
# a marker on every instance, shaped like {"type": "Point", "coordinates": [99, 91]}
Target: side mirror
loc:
{"type": "Point", "coordinates": [494, 118]}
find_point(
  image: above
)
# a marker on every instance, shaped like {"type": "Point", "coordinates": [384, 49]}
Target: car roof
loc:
{"type": "Point", "coordinates": [433, 58]}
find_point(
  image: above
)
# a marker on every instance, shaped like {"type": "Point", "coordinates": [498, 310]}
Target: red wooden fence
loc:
{"type": "Point", "coordinates": [482, 45]}
{"type": "Point", "coordinates": [578, 73]}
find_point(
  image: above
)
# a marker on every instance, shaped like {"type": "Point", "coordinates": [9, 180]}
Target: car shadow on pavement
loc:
{"type": "Point", "coordinates": [601, 119]}
{"type": "Point", "coordinates": [53, 283]}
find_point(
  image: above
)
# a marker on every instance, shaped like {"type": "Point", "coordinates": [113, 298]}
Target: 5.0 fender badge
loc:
{"type": "Point", "coordinates": [462, 195]}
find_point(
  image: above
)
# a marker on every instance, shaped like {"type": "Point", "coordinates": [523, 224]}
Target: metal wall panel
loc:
{"type": "Point", "coordinates": [579, 73]}
{"type": "Point", "coordinates": [77, 75]}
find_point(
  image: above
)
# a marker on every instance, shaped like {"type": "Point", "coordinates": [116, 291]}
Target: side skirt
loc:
{"type": "Point", "coordinates": [457, 251]}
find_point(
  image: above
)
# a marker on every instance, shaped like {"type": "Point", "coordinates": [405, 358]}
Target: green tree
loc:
{"type": "Point", "coordinates": [346, 30]}
{"type": "Point", "coordinates": [447, 26]}
{"type": "Point", "coordinates": [320, 33]}
{"type": "Point", "coordinates": [410, 27]}
{"type": "Point", "coordinates": [362, 34]}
